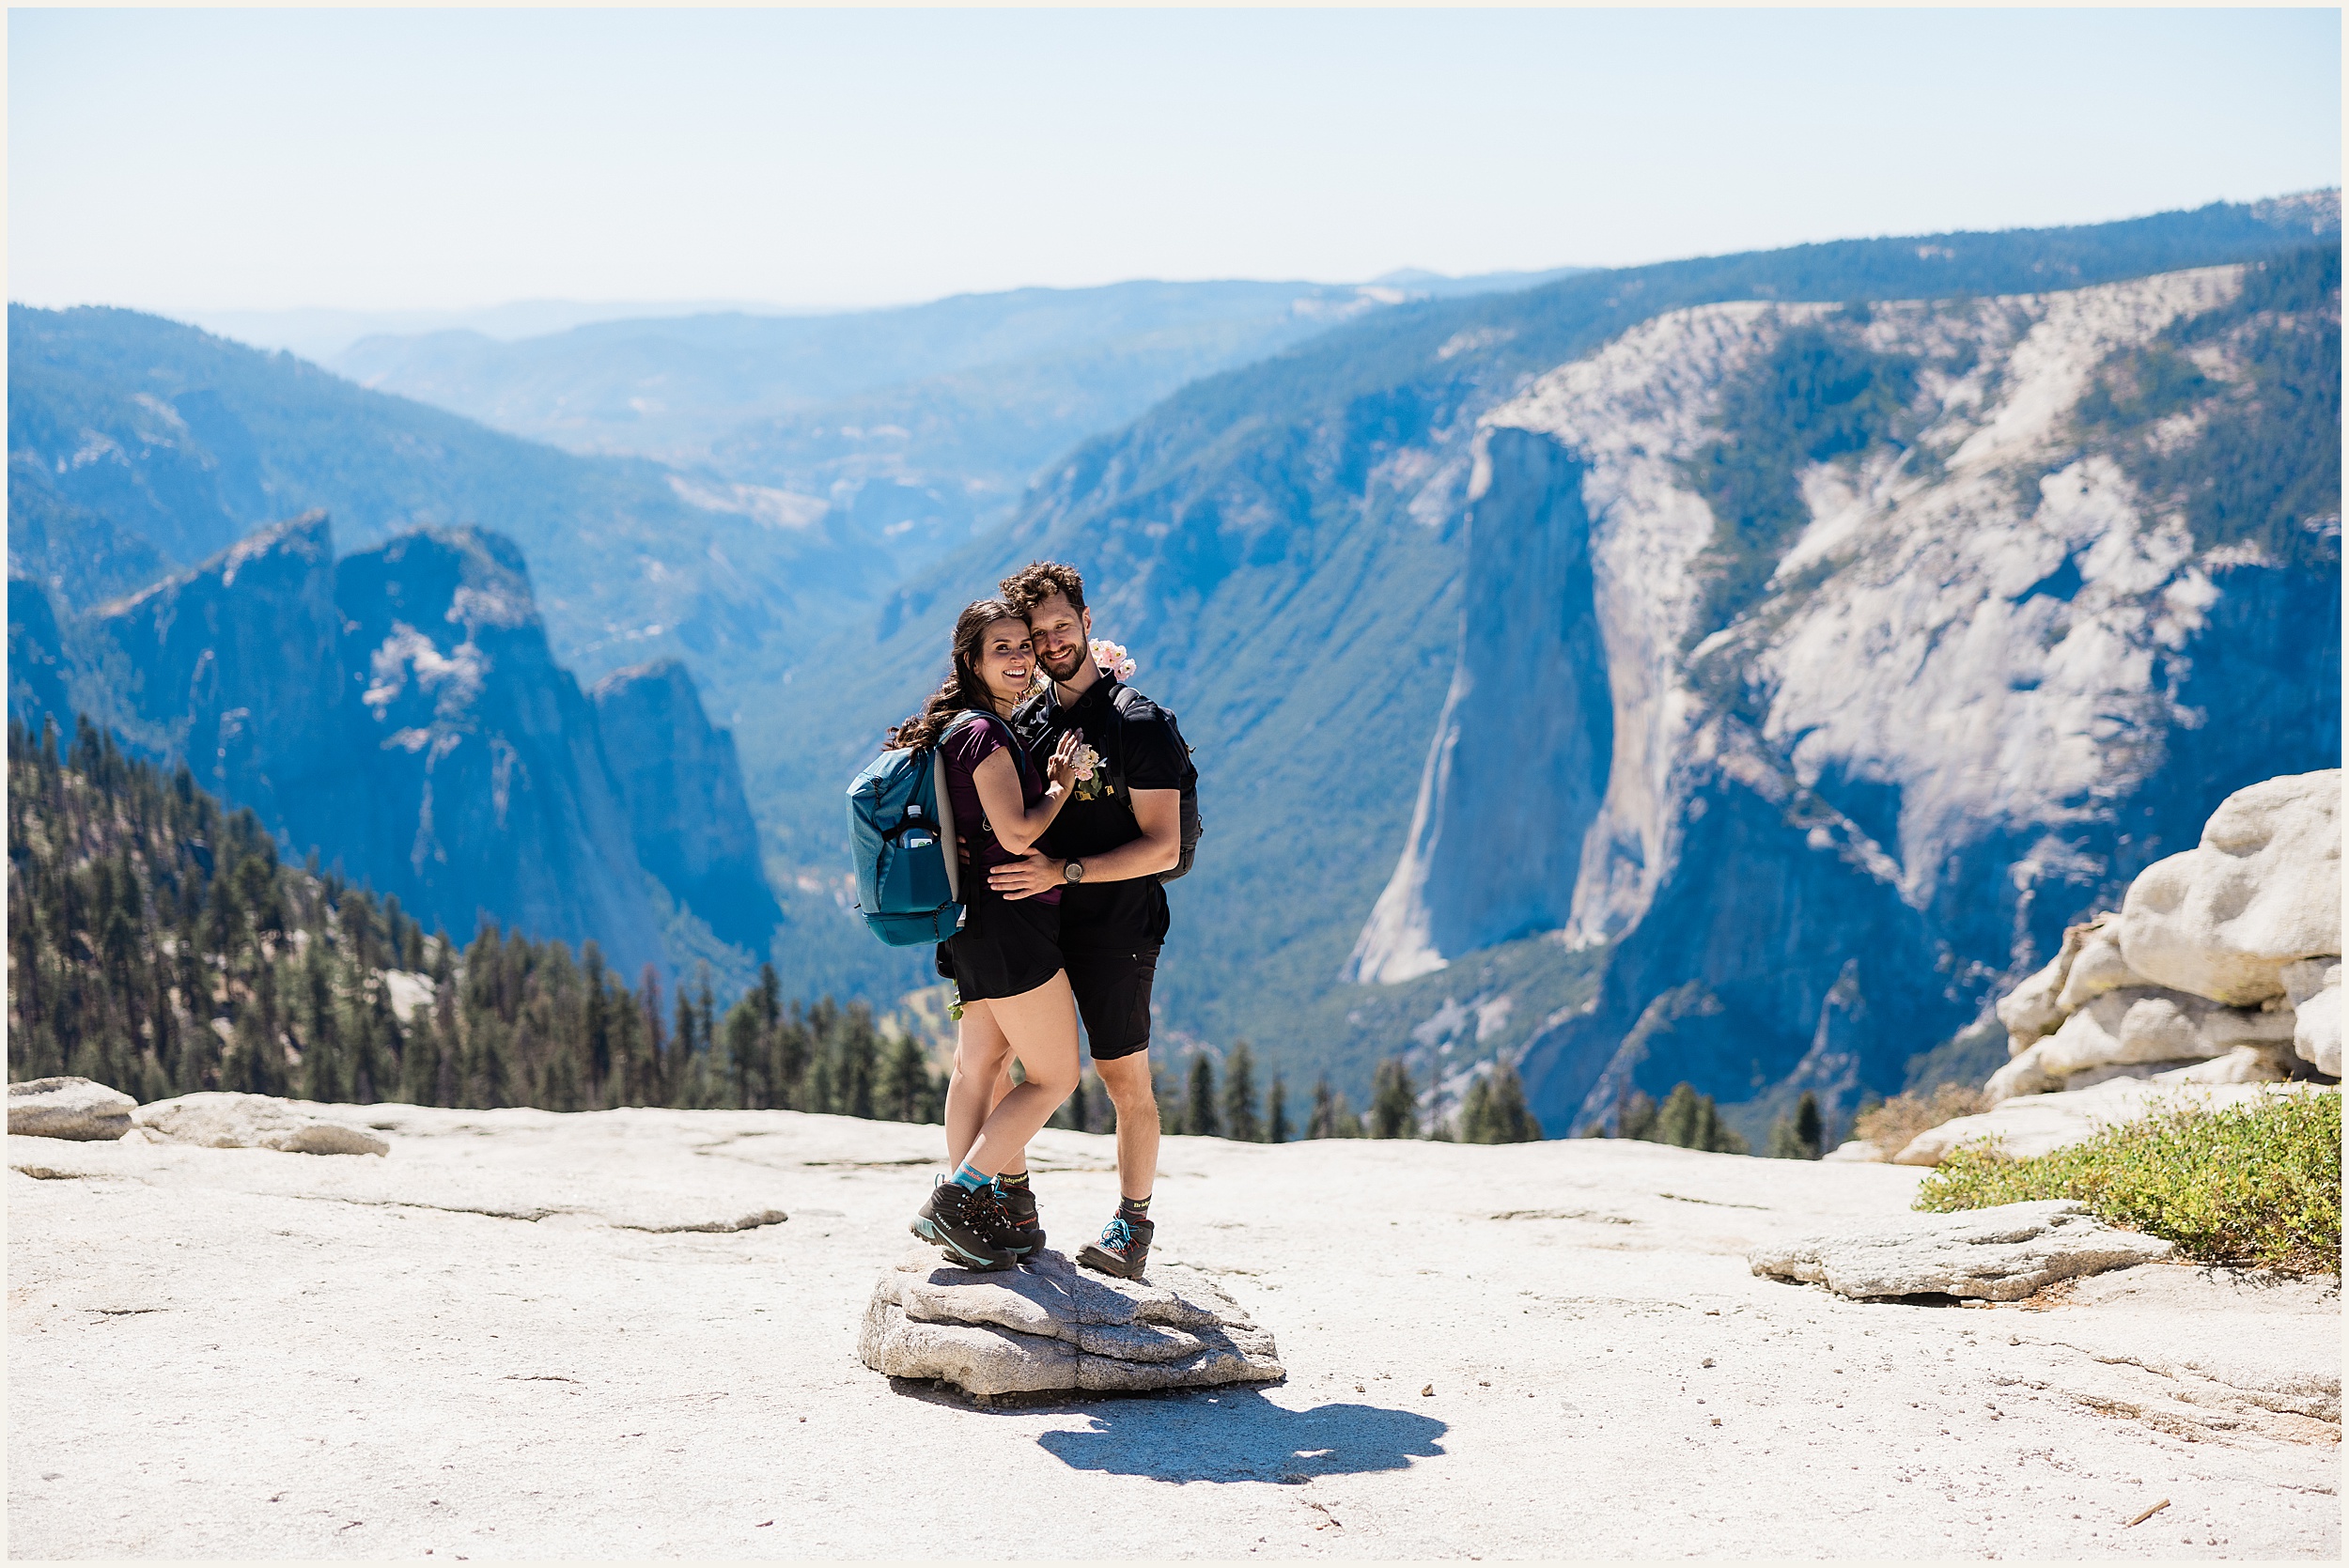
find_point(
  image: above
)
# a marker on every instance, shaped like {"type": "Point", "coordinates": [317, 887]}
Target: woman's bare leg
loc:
{"type": "Point", "coordinates": [982, 1056]}
{"type": "Point", "coordinates": [1003, 1085]}
{"type": "Point", "coordinates": [1041, 1027]}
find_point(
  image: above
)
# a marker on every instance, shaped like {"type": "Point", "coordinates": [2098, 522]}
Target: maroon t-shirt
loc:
{"type": "Point", "coordinates": [972, 742]}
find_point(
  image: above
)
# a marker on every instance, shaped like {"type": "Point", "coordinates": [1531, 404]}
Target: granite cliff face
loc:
{"type": "Point", "coordinates": [1920, 628]}
{"type": "Point", "coordinates": [682, 785]}
{"type": "Point", "coordinates": [400, 712]}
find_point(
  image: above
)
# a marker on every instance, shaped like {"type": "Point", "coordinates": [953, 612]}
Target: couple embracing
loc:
{"type": "Point", "coordinates": [1075, 782]}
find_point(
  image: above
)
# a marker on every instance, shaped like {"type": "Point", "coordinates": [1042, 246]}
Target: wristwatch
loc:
{"type": "Point", "coordinates": [1073, 870]}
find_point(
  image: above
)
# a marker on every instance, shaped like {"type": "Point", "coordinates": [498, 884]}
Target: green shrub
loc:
{"type": "Point", "coordinates": [2256, 1183]}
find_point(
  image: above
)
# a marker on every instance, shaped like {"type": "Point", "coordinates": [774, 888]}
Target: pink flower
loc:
{"type": "Point", "coordinates": [1112, 659]}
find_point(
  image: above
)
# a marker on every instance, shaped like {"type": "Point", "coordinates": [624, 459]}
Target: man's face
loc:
{"type": "Point", "coordinates": [1063, 636]}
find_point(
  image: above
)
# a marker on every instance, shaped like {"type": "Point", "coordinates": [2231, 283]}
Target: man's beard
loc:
{"type": "Point", "coordinates": [1067, 672]}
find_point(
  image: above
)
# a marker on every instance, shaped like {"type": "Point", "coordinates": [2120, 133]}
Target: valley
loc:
{"type": "Point", "coordinates": [1557, 696]}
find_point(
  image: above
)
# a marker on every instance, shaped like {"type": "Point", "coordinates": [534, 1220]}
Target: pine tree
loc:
{"type": "Point", "coordinates": [905, 1081]}
{"type": "Point", "coordinates": [1513, 1120]}
{"type": "Point", "coordinates": [1809, 1127]}
{"type": "Point", "coordinates": [1636, 1116]}
{"type": "Point", "coordinates": [1277, 1111]}
{"type": "Point", "coordinates": [1240, 1122]}
{"type": "Point", "coordinates": [1200, 1116]}
{"type": "Point", "coordinates": [1393, 1103]}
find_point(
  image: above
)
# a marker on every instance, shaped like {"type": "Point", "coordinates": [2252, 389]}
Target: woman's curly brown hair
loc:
{"type": "Point", "coordinates": [962, 690]}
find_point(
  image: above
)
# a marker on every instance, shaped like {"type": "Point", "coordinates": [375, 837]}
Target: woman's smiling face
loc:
{"type": "Point", "coordinates": [1006, 660]}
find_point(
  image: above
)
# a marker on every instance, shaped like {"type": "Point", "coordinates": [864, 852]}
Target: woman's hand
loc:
{"type": "Point", "coordinates": [1061, 769]}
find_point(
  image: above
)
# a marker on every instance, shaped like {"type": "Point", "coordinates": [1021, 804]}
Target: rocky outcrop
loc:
{"type": "Point", "coordinates": [1993, 1254]}
{"type": "Point", "coordinates": [477, 777]}
{"type": "Point", "coordinates": [1050, 1325]}
{"type": "Point", "coordinates": [234, 668]}
{"type": "Point", "coordinates": [401, 712]}
{"type": "Point", "coordinates": [2211, 960]}
{"type": "Point", "coordinates": [2029, 1125]}
{"type": "Point", "coordinates": [67, 1108]}
{"type": "Point", "coordinates": [682, 785]}
{"type": "Point", "coordinates": [228, 1120]}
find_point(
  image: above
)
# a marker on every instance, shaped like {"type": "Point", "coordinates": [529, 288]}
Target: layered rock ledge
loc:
{"type": "Point", "coordinates": [1051, 1326]}
{"type": "Point", "coordinates": [1994, 1254]}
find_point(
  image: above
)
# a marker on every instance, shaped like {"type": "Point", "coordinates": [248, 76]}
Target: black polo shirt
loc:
{"type": "Point", "coordinates": [1138, 751]}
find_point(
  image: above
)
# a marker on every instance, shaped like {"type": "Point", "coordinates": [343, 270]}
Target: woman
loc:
{"type": "Point", "coordinates": [1006, 960]}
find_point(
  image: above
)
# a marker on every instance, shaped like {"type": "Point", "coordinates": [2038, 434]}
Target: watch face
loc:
{"type": "Point", "coordinates": [1076, 871]}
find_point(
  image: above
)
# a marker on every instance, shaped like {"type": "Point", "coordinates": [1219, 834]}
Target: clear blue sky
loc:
{"type": "Point", "coordinates": [275, 159]}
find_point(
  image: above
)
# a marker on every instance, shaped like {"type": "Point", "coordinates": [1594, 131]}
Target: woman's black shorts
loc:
{"type": "Point", "coordinates": [1006, 947]}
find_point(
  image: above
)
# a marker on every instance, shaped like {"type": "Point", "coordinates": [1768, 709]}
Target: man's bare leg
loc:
{"type": "Point", "coordinates": [1128, 1081]}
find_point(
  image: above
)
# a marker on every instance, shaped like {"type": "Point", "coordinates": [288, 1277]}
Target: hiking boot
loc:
{"type": "Point", "coordinates": [1124, 1247]}
{"type": "Point", "coordinates": [1019, 1206]}
{"type": "Point", "coordinates": [970, 1227]}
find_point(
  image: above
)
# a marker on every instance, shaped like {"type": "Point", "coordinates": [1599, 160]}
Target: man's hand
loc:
{"type": "Point", "coordinates": [1032, 873]}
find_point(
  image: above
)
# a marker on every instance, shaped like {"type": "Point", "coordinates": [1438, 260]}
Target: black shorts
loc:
{"type": "Point", "coordinates": [1112, 987]}
{"type": "Point", "coordinates": [1006, 948]}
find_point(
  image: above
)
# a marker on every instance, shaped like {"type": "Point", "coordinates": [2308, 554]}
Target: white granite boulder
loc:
{"type": "Point", "coordinates": [2031, 1010]}
{"type": "Point", "coordinates": [2313, 986]}
{"type": "Point", "coordinates": [226, 1120]}
{"type": "Point", "coordinates": [2099, 968]}
{"type": "Point", "coordinates": [73, 1108]}
{"type": "Point", "coordinates": [1051, 1326]}
{"type": "Point", "coordinates": [1993, 1254]}
{"type": "Point", "coordinates": [2262, 891]}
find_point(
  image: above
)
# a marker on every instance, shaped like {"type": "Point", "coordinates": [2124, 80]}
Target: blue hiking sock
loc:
{"type": "Point", "coordinates": [968, 1177]}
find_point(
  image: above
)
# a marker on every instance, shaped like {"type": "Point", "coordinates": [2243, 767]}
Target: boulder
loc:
{"type": "Point", "coordinates": [2098, 967]}
{"type": "Point", "coordinates": [69, 1108]}
{"type": "Point", "coordinates": [2023, 1075]}
{"type": "Point", "coordinates": [2031, 1124]}
{"type": "Point", "coordinates": [2142, 1024]}
{"type": "Point", "coordinates": [2032, 1009]}
{"type": "Point", "coordinates": [1051, 1327]}
{"type": "Point", "coordinates": [2312, 986]}
{"type": "Point", "coordinates": [1859, 1151]}
{"type": "Point", "coordinates": [1993, 1254]}
{"type": "Point", "coordinates": [2261, 892]}
{"type": "Point", "coordinates": [226, 1121]}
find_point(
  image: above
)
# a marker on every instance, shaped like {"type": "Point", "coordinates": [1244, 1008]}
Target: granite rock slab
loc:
{"type": "Point", "coordinates": [1051, 1326]}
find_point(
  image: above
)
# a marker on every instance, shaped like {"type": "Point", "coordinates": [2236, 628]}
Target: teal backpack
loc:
{"type": "Point", "coordinates": [901, 835]}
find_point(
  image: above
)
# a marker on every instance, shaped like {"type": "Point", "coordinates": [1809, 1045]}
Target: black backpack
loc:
{"type": "Point", "coordinates": [1126, 703]}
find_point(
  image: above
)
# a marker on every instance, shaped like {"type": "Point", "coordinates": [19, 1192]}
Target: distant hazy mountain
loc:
{"type": "Point", "coordinates": [917, 425]}
{"type": "Point", "coordinates": [1289, 549]}
{"type": "Point", "coordinates": [321, 334]}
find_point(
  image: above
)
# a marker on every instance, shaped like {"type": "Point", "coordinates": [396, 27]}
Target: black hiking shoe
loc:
{"type": "Point", "coordinates": [968, 1226]}
{"type": "Point", "coordinates": [1124, 1247]}
{"type": "Point", "coordinates": [1019, 1206]}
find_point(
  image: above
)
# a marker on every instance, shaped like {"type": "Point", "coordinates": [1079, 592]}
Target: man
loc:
{"type": "Point", "coordinates": [1105, 851]}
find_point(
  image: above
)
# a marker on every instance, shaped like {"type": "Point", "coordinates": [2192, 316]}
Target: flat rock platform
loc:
{"type": "Point", "coordinates": [635, 1334]}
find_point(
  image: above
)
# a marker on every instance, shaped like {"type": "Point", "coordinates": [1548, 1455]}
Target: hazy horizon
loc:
{"type": "Point", "coordinates": [192, 162]}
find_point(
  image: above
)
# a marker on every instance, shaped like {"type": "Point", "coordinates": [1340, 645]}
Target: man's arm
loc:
{"type": "Point", "coordinates": [1157, 812]}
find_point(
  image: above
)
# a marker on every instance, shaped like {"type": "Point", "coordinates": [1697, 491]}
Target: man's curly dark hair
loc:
{"type": "Point", "coordinates": [1038, 580]}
